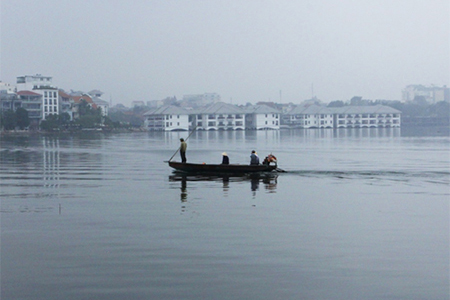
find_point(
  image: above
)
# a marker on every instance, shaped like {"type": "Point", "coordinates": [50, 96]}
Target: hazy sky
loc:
{"type": "Point", "coordinates": [246, 50]}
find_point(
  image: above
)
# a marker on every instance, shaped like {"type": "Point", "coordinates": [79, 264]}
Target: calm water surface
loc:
{"type": "Point", "coordinates": [359, 214]}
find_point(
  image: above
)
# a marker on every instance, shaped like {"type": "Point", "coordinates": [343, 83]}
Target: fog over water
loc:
{"type": "Point", "coordinates": [246, 51]}
{"type": "Point", "coordinates": [359, 214]}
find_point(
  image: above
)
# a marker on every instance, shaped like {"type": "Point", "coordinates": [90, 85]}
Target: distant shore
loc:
{"type": "Point", "coordinates": [408, 128]}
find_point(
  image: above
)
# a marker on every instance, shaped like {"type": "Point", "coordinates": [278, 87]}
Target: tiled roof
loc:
{"type": "Point", "coordinates": [260, 109]}
{"type": "Point", "coordinates": [221, 108]}
{"type": "Point", "coordinates": [63, 94]}
{"type": "Point", "coordinates": [99, 101]}
{"type": "Point", "coordinates": [167, 110]}
{"type": "Point", "coordinates": [27, 93]}
{"type": "Point", "coordinates": [77, 100]}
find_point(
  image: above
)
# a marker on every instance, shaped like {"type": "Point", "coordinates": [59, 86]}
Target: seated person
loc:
{"type": "Point", "coordinates": [254, 158]}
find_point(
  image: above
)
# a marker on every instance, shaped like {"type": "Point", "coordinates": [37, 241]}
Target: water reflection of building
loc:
{"type": "Point", "coordinates": [51, 162]}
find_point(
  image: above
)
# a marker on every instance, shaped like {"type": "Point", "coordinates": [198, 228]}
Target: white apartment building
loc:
{"type": "Point", "coordinates": [311, 116]}
{"type": "Point", "coordinates": [366, 117]}
{"type": "Point", "coordinates": [166, 118]}
{"type": "Point", "coordinates": [43, 86]}
{"type": "Point", "coordinates": [219, 116]}
{"type": "Point", "coordinates": [262, 117]}
{"type": "Point", "coordinates": [315, 116]}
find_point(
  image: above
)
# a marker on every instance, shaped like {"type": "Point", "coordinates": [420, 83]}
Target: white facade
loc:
{"type": "Point", "coordinates": [262, 117]}
{"type": "Point", "coordinates": [344, 117]}
{"type": "Point", "coordinates": [102, 104]}
{"type": "Point", "coordinates": [32, 82]}
{"type": "Point", "coordinates": [166, 118]}
{"type": "Point", "coordinates": [367, 117]}
{"type": "Point", "coordinates": [312, 116]}
{"type": "Point", "coordinates": [219, 116]}
{"type": "Point", "coordinates": [41, 85]}
{"type": "Point", "coordinates": [7, 87]}
{"type": "Point", "coordinates": [50, 101]}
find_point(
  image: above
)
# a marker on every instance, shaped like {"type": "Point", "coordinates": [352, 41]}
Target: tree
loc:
{"type": "Point", "coordinates": [22, 119]}
{"type": "Point", "coordinates": [440, 109]}
{"type": "Point", "coordinates": [9, 120]}
{"type": "Point", "coordinates": [50, 123]}
{"type": "Point", "coordinates": [89, 117]}
{"type": "Point", "coordinates": [64, 118]}
{"type": "Point", "coordinates": [337, 103]}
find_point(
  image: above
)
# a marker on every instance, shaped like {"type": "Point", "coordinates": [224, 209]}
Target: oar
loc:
{"type": "Point", "coordinates": [180, 146]}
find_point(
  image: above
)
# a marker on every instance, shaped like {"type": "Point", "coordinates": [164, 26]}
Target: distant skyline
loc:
{"type": "Point", "coordinates": [246, 51]}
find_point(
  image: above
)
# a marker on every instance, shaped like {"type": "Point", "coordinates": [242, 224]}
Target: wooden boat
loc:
{"type": "Point", "coordinates": [220, 168]}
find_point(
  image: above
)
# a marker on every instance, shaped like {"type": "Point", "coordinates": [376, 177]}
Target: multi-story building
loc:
{"type": "Point", "coordinates": [430, 94]}
{"type": "Point", "coordinates": [7, 87]}
{"type": "Point", "coordinates": [315, 116]}
{"type": "Point", "coordinates": [310, 116]}
{"type": "Point", "coordinates": [262, 117]}
{"type": "Point", "coordinates": [43, 86]}
{"type": "Point", "coordinates": [166, 118]}
{"type": "Point", "coordinates": [366, 116]}
{"type": "Point", "coordinates": [65, 103]}
{"type": "Point", "coordinates": [32, 102]}
{"type": "Point", "coordinates": [222, 116]}
{"type": "Point", "coordinates": [103, 105]}
{"type": "Point", "coordinates": [76, 104]}
{"type": "Point", "coordinates": [218, 116]}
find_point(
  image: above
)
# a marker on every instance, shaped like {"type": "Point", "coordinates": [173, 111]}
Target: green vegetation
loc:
{"type": "Point", "coordinates": [11, 120]}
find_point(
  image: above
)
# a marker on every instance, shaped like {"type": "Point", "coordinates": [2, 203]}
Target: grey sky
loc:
{"type": "Point", "coordinates": [244, 50]}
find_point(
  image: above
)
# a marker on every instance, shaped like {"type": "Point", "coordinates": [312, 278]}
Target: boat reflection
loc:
{"type": "Point", "coordinates": [269, 181]}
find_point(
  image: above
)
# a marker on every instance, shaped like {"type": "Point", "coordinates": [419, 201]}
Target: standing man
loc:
{"type": "Point", "coordinates": [183, 147]}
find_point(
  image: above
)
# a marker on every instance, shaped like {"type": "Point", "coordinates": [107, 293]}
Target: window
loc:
{"type": "Point", "coordinates": [54, 94]}
{"type": "Point", "coordinates": [178, 116]}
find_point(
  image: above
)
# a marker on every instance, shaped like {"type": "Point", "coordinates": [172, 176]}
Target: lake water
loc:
{"type": "Point", "coordinates": [359, 214]}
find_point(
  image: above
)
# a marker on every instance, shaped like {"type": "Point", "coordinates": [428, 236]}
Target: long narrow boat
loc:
{"type": "Point", "coordinates": [220, 168]}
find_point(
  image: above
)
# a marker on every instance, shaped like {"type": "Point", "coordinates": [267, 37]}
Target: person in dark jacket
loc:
{"type": "Point", "coordinates": [254, 158]}
{"type": "Point", "coordinates": [225, 159]}
{"type": "Point", "coordinates": [183, 147]}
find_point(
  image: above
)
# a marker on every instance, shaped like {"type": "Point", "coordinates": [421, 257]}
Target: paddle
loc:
{"type": "Point", "coordinates": [166, 161]}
